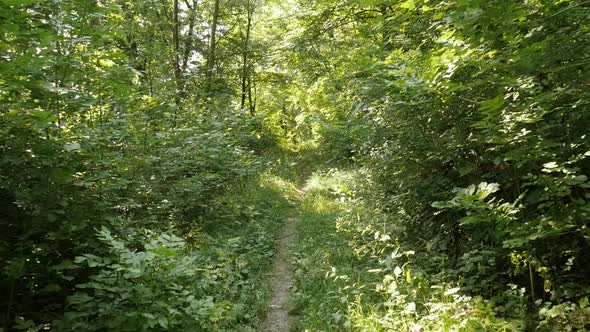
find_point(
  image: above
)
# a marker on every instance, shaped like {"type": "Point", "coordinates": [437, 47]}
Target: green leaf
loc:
{"type": "Point", "coordinates": [163, 322]}
{"type": "Point", "coordinates": [452, 291]}
{"type": "Point", "coordinates": [550, 165]}
{"type": "Point", "coordinates": [410, 307]}
{"type": "Point", "coordinates": [72, 147]}
{"type": "Point", "coordinates": [439, 205]}
{"type": "Point", "coordinates": [492, 105]}
{"type": "Point", "coordinates": [408, 4]}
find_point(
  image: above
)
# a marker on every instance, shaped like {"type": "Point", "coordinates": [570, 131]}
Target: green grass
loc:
{"type": "Point", "coordinates": [236, 247]}
{"type": "Point", "coordinates": [326, 268]}
{"type": "Point", "coordinates": [352, 273]}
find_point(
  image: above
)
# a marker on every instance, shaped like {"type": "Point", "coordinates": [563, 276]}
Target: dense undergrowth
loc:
{"type": "Point", "coordinates": [150, 149]}
{"type": "Point", "coordinates": [162, 250]}
{"type": "Point", "coordinates": [356, 269]}
{"type": "Point", "coordinates": [469, 120]}
{"type": "Point", "coordinates": [132, 191]}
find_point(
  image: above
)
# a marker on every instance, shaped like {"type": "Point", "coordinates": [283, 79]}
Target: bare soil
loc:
{"type": "Point", "coordinates": [277, 317]}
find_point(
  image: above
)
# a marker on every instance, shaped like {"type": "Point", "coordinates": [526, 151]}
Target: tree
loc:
{"type": "Point", "coordinates": [212, 39]}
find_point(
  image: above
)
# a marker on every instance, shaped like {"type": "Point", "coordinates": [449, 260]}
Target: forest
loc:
{"type": "Point", "coordinates": [294, 165]}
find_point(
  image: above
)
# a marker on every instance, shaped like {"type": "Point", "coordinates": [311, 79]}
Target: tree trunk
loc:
{"type": "Point", "coordinates": [245, 67]}
{"type": "Point", "coordinates": [251, 103]}
{"type": "Point", "coordinates": [188, 45]}
{"type": "Point", "coordinates": [176, 42]}
{"type": "Point", "coordinates": [212, 41]}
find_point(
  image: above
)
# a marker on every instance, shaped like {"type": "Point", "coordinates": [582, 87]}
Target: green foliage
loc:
{"type": "Point", "coordinates": [108, 120]}
{"type": "Point", "coordinates": [148, 118]}
{"type": "Point", "coordinates": [153, 281]}
{"type": "Point", "coordinates": [145, 290]}
{"type": "Point", "coordinates": [437, 96]}
{"type": "Point", "coordinates": [565, 317]}
{"type": "Point", "coordinates": [353, 274]}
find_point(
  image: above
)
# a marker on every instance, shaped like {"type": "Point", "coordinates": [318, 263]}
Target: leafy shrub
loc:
{"type": "Point", "coordinates": [140, 290]}
{"type": "Point", "coordinates": [566, 316]}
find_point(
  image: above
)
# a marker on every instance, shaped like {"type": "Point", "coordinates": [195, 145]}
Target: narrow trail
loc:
{"type": "Point", "coordinates": [277, 317]}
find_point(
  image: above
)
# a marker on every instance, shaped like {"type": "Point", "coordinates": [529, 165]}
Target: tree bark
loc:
{"type": "Point", "coordinates": [188, 45]}
{"type": "Point", "coordinates": [176, 42]}
{"type": "Point", "coordinates": [212, 41]}
{"type": "Point", "coordinates": [245, 67]}
{"type": "Point", "coordinates": [251, 103]}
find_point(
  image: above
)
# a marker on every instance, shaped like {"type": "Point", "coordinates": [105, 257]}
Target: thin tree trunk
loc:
{"type": "Point", "coordinates": [252, 87]}
{"type": "Point", "coordinates": [175, 41]}
{"type": "Point", "coordinates": [245, 66]}
{"type": "Point", "coordinates": [177, 71]}
{"type": "Point", "coordinates": [212, 41]}
{"type": "Point", "coordinates": [251, 104]}
{"type": "Point", "coordinates": [188, 45]}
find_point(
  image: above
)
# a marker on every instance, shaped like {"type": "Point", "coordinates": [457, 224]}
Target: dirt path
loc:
{"type": "Point", "coordinates": [277, 317]}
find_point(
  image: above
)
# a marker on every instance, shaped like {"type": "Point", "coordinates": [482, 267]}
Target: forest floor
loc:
{"type": "Point", "coordinates": [278, 318]}
{"type": "Point", "coordinates": [339, 266]}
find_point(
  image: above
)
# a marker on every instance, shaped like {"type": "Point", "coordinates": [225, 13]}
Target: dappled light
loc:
{"type": "Point", "coordinates": [267, 165]}
{"type": "Point", "coordinates": [285, 187]}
